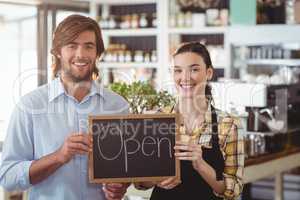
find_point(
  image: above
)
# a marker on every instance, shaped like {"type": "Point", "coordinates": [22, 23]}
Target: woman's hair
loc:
{"type": "Point", "coordinates": [201, 50]}
{"type": "Point", "coordinates": [67, 31]}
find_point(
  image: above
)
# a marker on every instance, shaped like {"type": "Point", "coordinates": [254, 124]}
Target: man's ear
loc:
{"type": "Point", "coordinates": [209, 73]}
{"type": "Point", "coordinates": [58, 55]}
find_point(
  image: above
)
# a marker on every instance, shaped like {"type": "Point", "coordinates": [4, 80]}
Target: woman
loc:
{"type": "Point", "coordinates": [212, 160]}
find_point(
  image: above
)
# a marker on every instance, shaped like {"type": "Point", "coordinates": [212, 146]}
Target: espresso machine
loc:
{"type": "Point", "coordinates": [271, 113]}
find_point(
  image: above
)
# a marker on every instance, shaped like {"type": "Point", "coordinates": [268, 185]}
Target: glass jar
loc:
{"type": "Point", "coordinates": [134, 21]}
{"type": "Point", "coordinates": [128, 56]}
{"type": "Point", "coordinates": [138, 56]}
{"type": "Point", "coordinates": [153, 57]}
{"type": "Point", "coordinates": [289, 10]}
{"type": "Point", "coordinates": [143, 23]}
{"type": "Point", "coordinates": [154, 20]}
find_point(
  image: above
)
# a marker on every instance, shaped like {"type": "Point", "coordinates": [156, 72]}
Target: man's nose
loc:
{"type": "Point", "coordinates": [80, 52]}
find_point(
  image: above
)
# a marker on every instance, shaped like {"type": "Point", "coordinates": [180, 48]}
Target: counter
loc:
{"type": "Point", "coordinates": [257, 168]}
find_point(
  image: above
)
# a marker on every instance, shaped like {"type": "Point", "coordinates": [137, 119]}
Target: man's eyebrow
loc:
{"type": "Point", "coordinates": [86, 43]}
{"type": "Point", "coordinates": [90, 43]}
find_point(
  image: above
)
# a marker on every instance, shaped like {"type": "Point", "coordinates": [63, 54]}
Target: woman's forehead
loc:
{"type": "Point", "coordinates": [188, 60]}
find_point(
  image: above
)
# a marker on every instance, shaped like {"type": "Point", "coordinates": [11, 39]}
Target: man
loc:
{"type": "Point", "coordinates": [47, 145]}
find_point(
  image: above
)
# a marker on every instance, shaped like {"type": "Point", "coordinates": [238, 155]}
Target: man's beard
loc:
{"type": "Point", "coordinates": [72, 76]}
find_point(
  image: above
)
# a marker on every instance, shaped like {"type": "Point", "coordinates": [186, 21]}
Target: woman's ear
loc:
{"type": "Point", "coordinates": [209, 73]}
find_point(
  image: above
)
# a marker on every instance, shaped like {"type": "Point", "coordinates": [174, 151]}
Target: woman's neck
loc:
{"type": "Point", "coordinates": [193, 112]}
{"type": "Point", "coordinates": [191, 106]}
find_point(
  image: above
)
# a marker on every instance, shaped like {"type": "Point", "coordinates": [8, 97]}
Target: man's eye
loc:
{"type": "Point", "coordinates": [90, 46]}
{"type": "Point", "coordinates": [71, 46]}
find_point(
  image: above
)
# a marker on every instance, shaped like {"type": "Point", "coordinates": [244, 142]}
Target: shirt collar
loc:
{"type": "Point", "coordinates": [56, 89]}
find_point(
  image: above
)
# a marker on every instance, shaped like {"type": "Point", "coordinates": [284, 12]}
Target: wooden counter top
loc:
{"type": "Point", "coordinates": [273, 156]}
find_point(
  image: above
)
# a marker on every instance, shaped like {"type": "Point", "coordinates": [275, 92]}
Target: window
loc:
{"type": "Point", "coordinates": [18, 52]}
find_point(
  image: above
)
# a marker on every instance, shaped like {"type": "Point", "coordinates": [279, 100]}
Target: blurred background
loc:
{"type": "Point", "coordinates": [254, 46]}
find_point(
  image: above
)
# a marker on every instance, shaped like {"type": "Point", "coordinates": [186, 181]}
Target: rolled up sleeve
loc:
{"type": "Point", "coordinates": [234, 164]}
{"type": "Point", "coordinates": [17, 152]}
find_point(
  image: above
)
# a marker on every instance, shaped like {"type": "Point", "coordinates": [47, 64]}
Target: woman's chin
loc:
{"type": "Point", "coordinates": [186, 94]}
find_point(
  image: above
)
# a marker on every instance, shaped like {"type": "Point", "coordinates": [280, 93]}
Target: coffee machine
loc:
{"type": "Point", "coordinates": [270, 117]}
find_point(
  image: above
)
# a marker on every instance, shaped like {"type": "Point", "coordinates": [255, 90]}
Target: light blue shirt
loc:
{"type": "Point", "coordinates": [39, 125]}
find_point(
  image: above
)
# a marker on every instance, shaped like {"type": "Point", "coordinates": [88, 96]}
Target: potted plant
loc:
{"type": "Point", "coordinates": [142, 96]}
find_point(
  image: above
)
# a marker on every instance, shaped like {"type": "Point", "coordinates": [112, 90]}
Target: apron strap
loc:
{"type": "Point", "coordinates": [215, 137]}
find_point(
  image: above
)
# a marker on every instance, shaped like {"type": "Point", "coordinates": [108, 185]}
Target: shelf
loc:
{"type": "Point", "coordinates": [130, 32]}
{"type": "Point", "coordinates": [124, 2]}
{"type": "Point", "coordinates": [109, 65]}
{"type": "Point", "coordinates": [201, 30]}
{"type": "Point", "coordinates": [283, 62]}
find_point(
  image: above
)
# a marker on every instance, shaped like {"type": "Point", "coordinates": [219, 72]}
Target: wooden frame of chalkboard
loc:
{"type": "Point", "coordinates": [114, 138]}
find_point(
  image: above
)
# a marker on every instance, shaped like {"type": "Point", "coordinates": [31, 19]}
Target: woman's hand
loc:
{"type": "Point", "coordinates": [115, 191]}
{"type": "Point", "coordinates": [190, 151]}
{"type": "Point", "coordinates": [169, 183]}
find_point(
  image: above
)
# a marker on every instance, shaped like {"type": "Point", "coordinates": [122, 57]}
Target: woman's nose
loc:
{"type": "Point", "coordinates": [186, 75]}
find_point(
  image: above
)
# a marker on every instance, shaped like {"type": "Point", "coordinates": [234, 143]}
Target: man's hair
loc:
{"type": "Point", "coordinates": [67, 31]}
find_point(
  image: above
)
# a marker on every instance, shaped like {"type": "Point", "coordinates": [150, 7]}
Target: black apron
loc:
{"type": "Point", "coordinates": [193, 186]}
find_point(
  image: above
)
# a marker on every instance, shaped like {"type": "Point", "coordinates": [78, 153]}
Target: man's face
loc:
{"type": "Point", "coordinates": [78, 57]}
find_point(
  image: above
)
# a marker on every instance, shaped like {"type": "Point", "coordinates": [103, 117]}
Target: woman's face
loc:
{"type": "Point", "coordinates": [190, 74]}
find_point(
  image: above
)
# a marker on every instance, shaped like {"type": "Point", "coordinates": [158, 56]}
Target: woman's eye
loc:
{"type": "Point", "coordinates": [177, 70]}
{"type": "Point", "coordinates": [195, 70]}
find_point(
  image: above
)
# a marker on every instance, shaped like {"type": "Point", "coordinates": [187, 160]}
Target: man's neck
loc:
{"type": "Point", "coordinates": [77, 89]}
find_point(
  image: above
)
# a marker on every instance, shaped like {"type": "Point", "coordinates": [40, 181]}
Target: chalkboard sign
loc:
{"type": "Point", "coordinates": [132, 148]}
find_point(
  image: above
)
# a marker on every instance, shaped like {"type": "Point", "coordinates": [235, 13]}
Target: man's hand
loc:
{"type": "Point", "coordinates": [115, 191]}
{"type": "Point", "coordinates": [74, 144]}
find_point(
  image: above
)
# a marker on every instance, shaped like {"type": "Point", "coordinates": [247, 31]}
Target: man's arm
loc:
{"type": "Point", "coordinates": [47, 165]}
{"type": "Point", "coordinates": [17, 154]}
{"type": "Point", "coordinates": [19, 170]}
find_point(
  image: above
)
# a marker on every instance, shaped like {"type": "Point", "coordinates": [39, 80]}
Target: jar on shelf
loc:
{"type": "Point", "coordinates": [212, 16]}
{"type": "Point", "coordinates": [112, 22]}
{"type": "Point", "coordinates": [143, 23]}
{"type": "Point", "coordinates": [107, 57]}
{"type": "Point", "coordinates": [125, 22]}
{"type": "Point", "coordinates": [147, 57]}
{"type": "Point", "coordinates": [134, 21]}
{"type": "Point", "coordinates": [121, 56]}
{"type": "Point", "coordinates": [138, 56]}
{"type": "Point", "coordinates": [188, 22]}
{"type": "Point", "coordinates": [127, 56]}
{"type": "Point", "coordinates": [172, 20]}
{"type": "Point", "coordinates": [180, 20]}
{"type": "Point", "coordinates": [154, 20]}
{"type": "Point", "coordinates": [290, 12]}
{"type": "Point", "coordinates": [114, 56]}
{"type": "Point", "coordinates": [224, 17]}
{"type": "Point", "coordinates": [103, 22]}
{"type": "Point", "coordinates": [153, 57]}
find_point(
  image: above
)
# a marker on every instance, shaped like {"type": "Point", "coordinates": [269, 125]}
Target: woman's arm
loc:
{"type": "Point", "coordinates": [234, 163]}
{"type": "Point", "coordinates": [193, 152]}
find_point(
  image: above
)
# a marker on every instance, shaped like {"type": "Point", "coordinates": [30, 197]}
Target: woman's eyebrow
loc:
{"type": "Point", "coordinates": [189, 66]}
